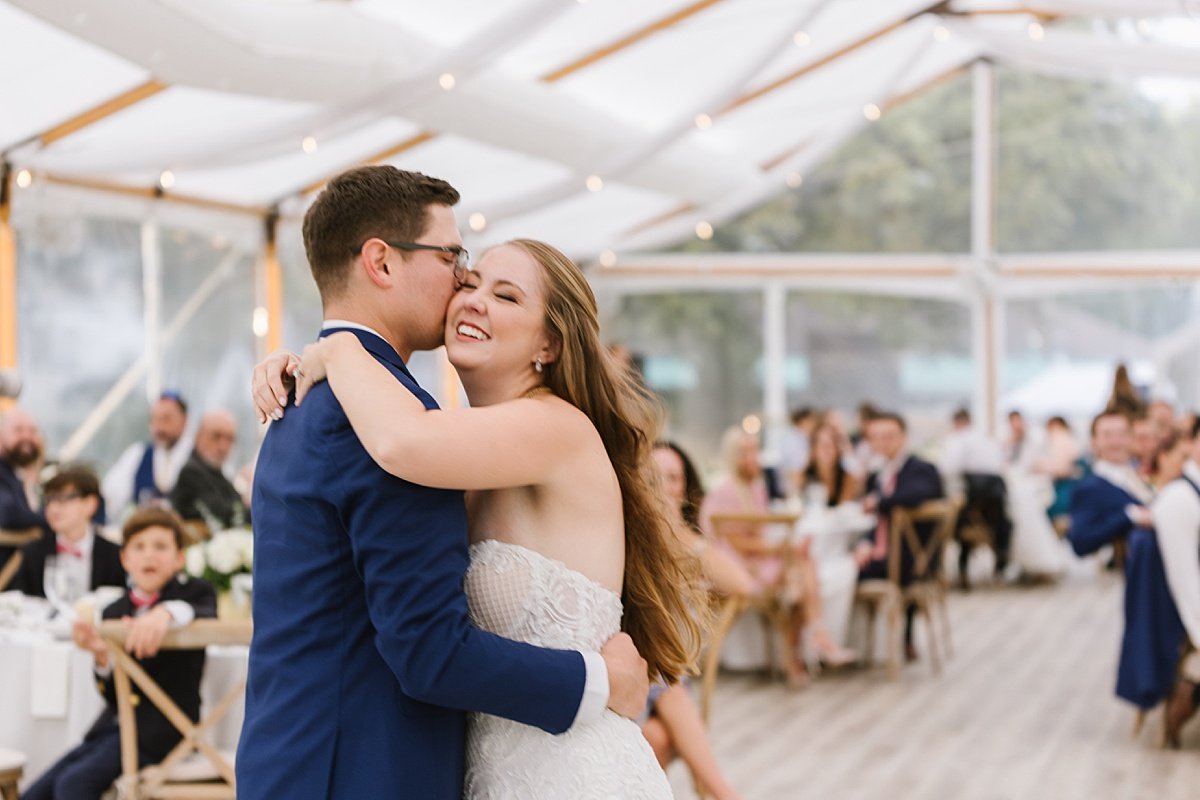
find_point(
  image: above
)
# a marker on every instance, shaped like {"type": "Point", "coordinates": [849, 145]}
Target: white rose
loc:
{"type": "Point", "coordinates": [245, 544]}
{"type": "Point", "coordinates": [195, 562]}
{"type": "Point", "coordinates": [223, 555]}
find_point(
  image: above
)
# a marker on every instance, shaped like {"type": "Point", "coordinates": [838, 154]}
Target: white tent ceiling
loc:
{"type": "Point", "coordinates": [603, 125]}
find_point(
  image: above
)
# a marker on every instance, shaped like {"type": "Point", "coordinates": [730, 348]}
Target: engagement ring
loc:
{"type": "Point", "coordinates": [297, 374]}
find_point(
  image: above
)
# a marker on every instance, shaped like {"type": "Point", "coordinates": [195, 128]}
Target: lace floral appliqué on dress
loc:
{"type": "Point", "coordinates": [520, 594]}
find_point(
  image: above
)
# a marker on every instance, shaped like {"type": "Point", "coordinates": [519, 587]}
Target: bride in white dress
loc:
{"type": "Point", "coordinates": [568, 535]}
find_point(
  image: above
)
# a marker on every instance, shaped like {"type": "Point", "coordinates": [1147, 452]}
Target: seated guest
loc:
{"type": "Point", "coordinates": [825, 474]}
{"type": "Point", "coordinates": [1113, 500]}
{"type": "Point", "coordinates": [905, 481]}
{"type": "Point", "coordinates": [160, 599]}
{"type": "Point", "coordinates": [20, 460]}
{"type": "Point", "coordinates": [797, 443]}
{"type": "Point", "coordinates": [147, 471]}
{"type": "Point", "coordinates": [1176, 513]}
{"type": "Point", "coordinates": [972, 466]}
{"type": "Point", "coordinates": [1143, 444]}
{"type": "Point", "coordinates": [202, 491]}
{"type": "Point", "coordinates": [673, 724]}
{"type": "Point", "coordinates": [88, 559]}
{"type": "Point", "coordinates": [742, 491]}
{"type": "Point", "coordinates": [1162, 418]}
{"type": "Point", "coordinates": [1061, 461]}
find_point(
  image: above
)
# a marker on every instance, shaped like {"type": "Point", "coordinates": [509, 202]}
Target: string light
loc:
{"type": "Point", "coordinates": [608, 258]}
{"type": "Point", "coordinates": [309, 145]}
{"type": "Point", "coordinates": [594, 183]}
{"type": "Point", "coordinates": [703, 121]}
{"type": "Point", "coordinates": [1036, 31]}
{"type": "Point", "coordinates": [477, 221]}
{"type": "Point", "coordinates": [24, 179]}
{"type": "Point", "coordinates": [801, 39]}
{"type": "Point", "coordinates": [261, 321]}
{"type": "Point", "coordinates": [872, 112]}
{"type": "Point", "coordinates": [446, 81]}
{"type": "Point", "coordinates": [167, 179]}
{"type": "Point", "coordinates": [751, 424]}
{"type": "Point", "coordinates": [941, 33]}
{"type": "Point", "coordinates": [794, 179]}
{"type": "Point", "coordinates": [704, 230]}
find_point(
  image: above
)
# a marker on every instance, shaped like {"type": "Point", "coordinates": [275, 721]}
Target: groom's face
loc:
{"type": "Point", "coordinates": [427, 280]}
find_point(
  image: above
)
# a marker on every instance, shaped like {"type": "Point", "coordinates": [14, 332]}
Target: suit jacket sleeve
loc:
{"type": "Point", "coordinates": [29, 579]}
{"type": "Point", "coordinates": [183, 496]}
{"type": "Point", "coordinates": [1096, 520]}
{"type": "Point", "coordinates": [15, 513]}
{"type": "Point", "coordinates": [412, 559]}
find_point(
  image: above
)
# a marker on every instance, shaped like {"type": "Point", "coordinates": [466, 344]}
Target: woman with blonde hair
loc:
{"type": "Point", "coordinates": [743, 491]}
{"type": "Point", "coordinates": [570, 539]}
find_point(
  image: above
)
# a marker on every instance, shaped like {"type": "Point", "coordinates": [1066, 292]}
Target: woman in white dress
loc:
{"type": "Point", "coordinates": [570, 539]}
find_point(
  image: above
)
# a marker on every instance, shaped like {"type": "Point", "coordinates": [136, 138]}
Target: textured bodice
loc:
{"type": "Point", "coordinates": [522, 595]}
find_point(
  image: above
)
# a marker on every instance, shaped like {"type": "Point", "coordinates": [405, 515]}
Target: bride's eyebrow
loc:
{"type": "Point", "coordinates": [516, 286]}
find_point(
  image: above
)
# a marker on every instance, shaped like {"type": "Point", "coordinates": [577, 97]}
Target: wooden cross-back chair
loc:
{"type": "Point", "coordinates": [925, 587]}
{"type": "Point", "coordinates": [157, 781]}
{"type": "Point", "coordinates": [16, 539]}
{"type": "Point", "coordinates": [772, 604]}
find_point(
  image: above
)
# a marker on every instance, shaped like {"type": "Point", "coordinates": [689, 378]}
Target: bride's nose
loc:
{"type": "Point", "coordinates": [475, 303]}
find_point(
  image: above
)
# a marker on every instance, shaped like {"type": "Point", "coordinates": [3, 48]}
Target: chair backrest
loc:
{"type": "Point", "coordinates": [17, 539]}
{"type": "Point", "coordinates": [926, 553]}
{"type": "Point", "coordinates": [198, 635]}
{"type": "Point", "coordinates": [722, 520]}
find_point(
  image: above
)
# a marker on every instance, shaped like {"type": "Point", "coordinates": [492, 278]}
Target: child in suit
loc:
{"type": "Point", "coordinates": [89, 560]}
{"type": "Point", "coordinates": [152, 552]}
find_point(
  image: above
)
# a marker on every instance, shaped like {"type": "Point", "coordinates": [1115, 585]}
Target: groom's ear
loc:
{"type": "Point", "coordinates": [373, 261]}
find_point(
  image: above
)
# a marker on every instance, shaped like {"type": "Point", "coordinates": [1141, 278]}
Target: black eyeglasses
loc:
{"type": "Point", "coordinates": [462, 258]}
{"type": "Point", "coordinates": [65, 497]}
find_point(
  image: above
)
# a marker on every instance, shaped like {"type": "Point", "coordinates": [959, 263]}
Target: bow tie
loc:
{"type": "Point", "coordinates": [69, 550]}
{"type": "Point", "coordinates": [141, 601]}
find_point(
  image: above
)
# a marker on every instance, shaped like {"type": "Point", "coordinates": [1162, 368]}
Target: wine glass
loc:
{"type": "Point", "coordinates": [61, 587]}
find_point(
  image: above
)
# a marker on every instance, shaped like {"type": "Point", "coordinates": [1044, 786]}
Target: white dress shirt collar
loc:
{"type": "Point", "coordinates": [1124, 476]}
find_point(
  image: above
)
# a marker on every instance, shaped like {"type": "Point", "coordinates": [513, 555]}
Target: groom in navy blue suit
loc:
{"type": "Point", "coordinates": [364, 658]}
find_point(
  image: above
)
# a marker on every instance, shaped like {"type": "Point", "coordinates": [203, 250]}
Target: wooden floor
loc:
{"type": "Point", "coordinates": [1025, 709]}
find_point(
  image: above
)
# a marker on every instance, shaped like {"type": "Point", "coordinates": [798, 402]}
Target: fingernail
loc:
{"type": "Point", "coordinates": [282, 400]}
{"type": "Point", "coordinates": [277, 414]}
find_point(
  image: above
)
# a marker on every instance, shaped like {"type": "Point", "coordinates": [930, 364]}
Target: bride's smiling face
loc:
{"type": "Point", "coordinates": [498, 317]}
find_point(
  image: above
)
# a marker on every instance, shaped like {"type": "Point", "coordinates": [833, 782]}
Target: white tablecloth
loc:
{"type": "Point", "coordinates": [44, 739]}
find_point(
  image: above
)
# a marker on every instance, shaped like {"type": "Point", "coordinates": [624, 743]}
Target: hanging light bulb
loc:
{"type": "Point", "coordinates": [608, 258]}
{"type": "Point", "coordinates": [24, 179]}
{"type": "Point", "coordinates": [751, 424]}
{"type": "Point", "coordinates": [309, 145]}
{"type": "Point", "coordinates": [166, 179]}
{"type": "Point", "coordinates": [594, 183]}
{"type": "Point", "coordinates": [941, 33]}
{"type": "Point", "coordinates": [477, 221]}
{"type": "Point", "coordinates": [447, 81]}
{"type": "Point", "coordinates": [1036, 31]}
{"type": "Point", "coordinates": [872, 112]}
{"type": "Point", "coordinates": [801, 39]}
{"type": "Point", "coordinates": [703, 121]}
{"type": "Point", "coordinates": [260, 322]}
{"type": "Point", "coordinates": [704, 230]}
{"type": "Point", "coordinates": [793, 180]}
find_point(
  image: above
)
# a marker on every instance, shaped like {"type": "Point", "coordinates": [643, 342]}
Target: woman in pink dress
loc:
{"type": "Point", "coordinates": [743, 491]}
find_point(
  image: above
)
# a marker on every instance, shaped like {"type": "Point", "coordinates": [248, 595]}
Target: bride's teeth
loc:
{"type": "Point", "coordinates": [473, 332]}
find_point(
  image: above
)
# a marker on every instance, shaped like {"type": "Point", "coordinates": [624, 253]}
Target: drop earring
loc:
{"type": "Point", "coordinates": [537, 363]}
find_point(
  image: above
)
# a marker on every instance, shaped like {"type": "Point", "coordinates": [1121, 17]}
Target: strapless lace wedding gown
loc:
{"type": "Point", "coordinates": [520, 594]}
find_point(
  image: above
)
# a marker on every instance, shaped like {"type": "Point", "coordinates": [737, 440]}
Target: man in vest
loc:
{"type": "Point", "coordinates": [147, 471]}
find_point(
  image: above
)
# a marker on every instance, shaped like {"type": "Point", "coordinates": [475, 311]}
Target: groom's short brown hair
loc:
{"type": "Point", "coordinates": [360, 203]}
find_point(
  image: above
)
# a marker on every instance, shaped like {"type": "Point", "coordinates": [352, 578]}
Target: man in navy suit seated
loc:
{"type": "Point", "coordinates": [1112, 501]}
{"type": "Point", "coordinates": [905, 482]}
{"type": "Point", "coordinates": [20, 460]}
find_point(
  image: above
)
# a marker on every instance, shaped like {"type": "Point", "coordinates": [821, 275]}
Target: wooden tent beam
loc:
{"type": "Point", "coordinates": [101, 112]}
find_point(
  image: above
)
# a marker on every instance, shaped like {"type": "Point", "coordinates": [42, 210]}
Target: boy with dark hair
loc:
{"type": "Point", "coordinates": [85, 560]}
{"type": "Point", "coordinates": [152, 552]}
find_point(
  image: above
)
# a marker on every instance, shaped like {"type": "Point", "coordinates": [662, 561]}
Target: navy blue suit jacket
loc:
{"type": "Point", "coordinates": [15, 513]}
{"type": "Point", "coordinates": [1098, 514]}
{"type": "Point", "coordinates": [364, 657]}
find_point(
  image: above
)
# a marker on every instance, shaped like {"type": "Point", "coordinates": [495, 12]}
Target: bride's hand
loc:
{"type": "Point", "coordinates": [272, 382]}
{"type": "Point", "coordinates": [312, 368]}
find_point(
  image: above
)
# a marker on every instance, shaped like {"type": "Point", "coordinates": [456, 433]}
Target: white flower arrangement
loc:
{"type": "Point", "coordinates": [229, 552]}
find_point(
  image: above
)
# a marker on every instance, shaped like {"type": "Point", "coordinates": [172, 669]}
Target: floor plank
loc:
{"type": "Point", "coordinates": [1024, 709]}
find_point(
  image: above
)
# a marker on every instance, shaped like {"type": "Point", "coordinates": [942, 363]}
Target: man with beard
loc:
{"type": "Point", "coordinates": [21, 449]}
{"type": "Point", "coordinates": [147, 471]}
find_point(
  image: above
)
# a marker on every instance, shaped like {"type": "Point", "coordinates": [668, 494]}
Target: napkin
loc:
{"type": "Point", "coordinates": [49, 674]}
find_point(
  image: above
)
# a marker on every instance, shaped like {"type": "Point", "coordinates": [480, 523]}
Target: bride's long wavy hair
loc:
{"type": "Point", "coordinates": [664, 605]}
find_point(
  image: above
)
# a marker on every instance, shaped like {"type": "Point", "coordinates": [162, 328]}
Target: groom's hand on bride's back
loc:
{"type": "Point", "coordinates": [628, 676]}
